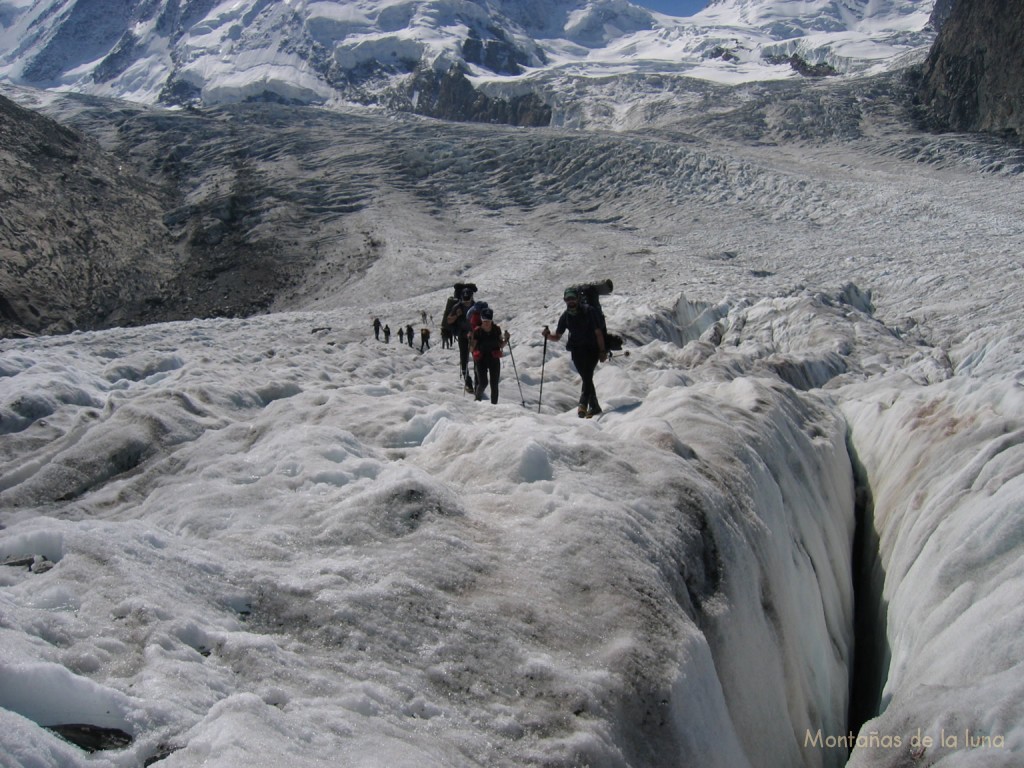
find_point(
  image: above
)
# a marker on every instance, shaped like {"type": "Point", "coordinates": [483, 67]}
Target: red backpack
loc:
{"type": "Point", "coordinates": [473, 315]}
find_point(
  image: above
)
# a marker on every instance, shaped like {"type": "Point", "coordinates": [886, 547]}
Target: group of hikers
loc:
{"type": "Point", "coordinates": [470, 323]}
{"type": "Point", "coordinates": [404, 334]}
{"type": "Point", "coordinates": [478, 336]}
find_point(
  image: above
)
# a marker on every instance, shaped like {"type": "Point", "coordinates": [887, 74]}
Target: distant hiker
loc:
{"type": "Point", "coordinates": [376, 328]}
{"type": "Point", "coordinates": [423, 316]}
{"type": "Point", "coordinates": [424, 339]}
{"type": "Point", "coordinates": [408, 333]}
{"type": "Point", "coordinates": [486, 343]}
{"type": "Point", "coordinates": [586, 345]}
{"type": "Point", "coordinates": [458, 321]}
{"type": "Point", "coordinates": [401, 333]}
{"type": "Point", "coordinates": [387, 334]}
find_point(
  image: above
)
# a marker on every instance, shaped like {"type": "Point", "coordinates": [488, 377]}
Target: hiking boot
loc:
{"type": "Point", "coordinates": [593, 412]}
{"type": "Point", "coordinates": [582, 412]}
{"type": "Point", "coordinates": [469, 385]}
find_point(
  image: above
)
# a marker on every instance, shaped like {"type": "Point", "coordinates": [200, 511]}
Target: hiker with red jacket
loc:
{"type": "Point", "coordinates": [486, 343]}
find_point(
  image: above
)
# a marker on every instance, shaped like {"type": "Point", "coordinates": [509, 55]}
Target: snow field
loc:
{"type": "Point", "coordinates": [328, 540]}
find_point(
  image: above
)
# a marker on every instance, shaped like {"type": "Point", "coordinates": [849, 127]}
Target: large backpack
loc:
{"type": "Point", "coordinates": [590, 296]}
{"type": "Point", "coordinates": [473, 314]}
{"type": "Point", "coordinates": [454, 299]}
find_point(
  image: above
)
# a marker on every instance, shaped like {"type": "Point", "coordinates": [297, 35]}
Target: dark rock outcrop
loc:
{"type": "Point", "coordinates": [494, 52]}
{"type": "Point", "coordinates": [803, 67]}
{"type": "Point", "coordinates": [940, 13]}
{"type": "Point", "coordinates": [974, 78]}
{"type": "Point", "coordinates": [97, 236]}
{"type": "Point", "coordinates": [92, 738]}
{"type": "Point", "coordinates": [451, 96]}
{"type": "Point", "coordinates": [79, 231]}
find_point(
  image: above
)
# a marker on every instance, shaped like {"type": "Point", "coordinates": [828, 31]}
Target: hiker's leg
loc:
{"type": "Point", "coordinates": [495, 373]}
{"type": "Point", "coordinates": [586, 364]}
{"type": "Point", "coordinates": [481, 380]}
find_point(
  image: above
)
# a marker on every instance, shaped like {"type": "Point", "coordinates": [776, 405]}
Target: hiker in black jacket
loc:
{"type": "Point", "coordinates": [586, 345]}
{"type": "Point", "coordinates": [458, 321]}
{"type": "Point", "coordinates": [486, 342]}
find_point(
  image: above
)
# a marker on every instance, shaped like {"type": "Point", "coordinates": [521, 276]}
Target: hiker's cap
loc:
{"type": "Point", "coordinates": [487, 313]}
{"type": "Point", "coordinates": [570, 293]}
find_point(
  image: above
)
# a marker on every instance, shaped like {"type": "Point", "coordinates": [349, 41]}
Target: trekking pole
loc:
{"type": "Point", "coordinates": [543, 360]}
{"type": "Point", "coordinates": [513, 357]}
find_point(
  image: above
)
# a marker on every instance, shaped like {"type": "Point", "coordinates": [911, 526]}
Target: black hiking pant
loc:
{"type": "Point", "coordinates": [586, 361]}
{"type": "Point", "coordinates": [463, 339]}
{"type": "Point", "coordinates": [487, 370]}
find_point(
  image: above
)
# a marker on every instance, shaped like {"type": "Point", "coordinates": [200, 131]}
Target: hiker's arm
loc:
{"type": "Point", "coordinates": [547, 334]}
{"type": "Point", "coordinates": [600, 344]}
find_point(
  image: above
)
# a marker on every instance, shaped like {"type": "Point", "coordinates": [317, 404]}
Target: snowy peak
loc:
{"type": "Point", "coordinates": [397, 53]}
{"type": "Point", "coordinates": [845, 35]}
{"type": "Point", "coordinates": [797, 17]}
{"type": "Point", "coordinates": [598, 25]}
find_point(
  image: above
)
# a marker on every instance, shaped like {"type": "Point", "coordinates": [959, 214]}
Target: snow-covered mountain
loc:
{"type": "Point", "coordinates": [410, 55]}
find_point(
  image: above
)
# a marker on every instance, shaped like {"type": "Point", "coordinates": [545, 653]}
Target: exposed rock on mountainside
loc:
{"type": "Point", "coordinates": [974, 77]}
{"type": "Point", "coordinates": [79, 232]}
{"type": "Point", "coordinates": [941, 12]}
{"type": "Point", "coordinates": [159, 225]}
{"type": "Point", "coordinates": [451, 96]}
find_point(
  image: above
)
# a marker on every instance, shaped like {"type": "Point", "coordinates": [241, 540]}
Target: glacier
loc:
{"type": "Point", "coordinates": [276, 539]}
{"type": "Point", "coordinates": [793, 538]}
